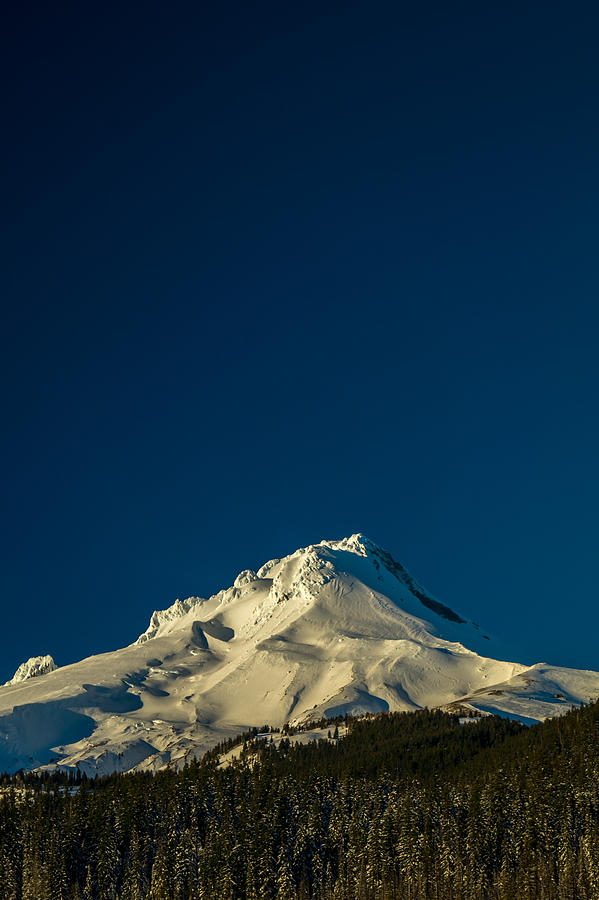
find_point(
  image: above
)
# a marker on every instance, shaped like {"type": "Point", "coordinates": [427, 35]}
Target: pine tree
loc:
{"type": "Point", "coordinates": [284, 880]}
{"type": "Point", "coordinates": [107, 866]}
{"type": "Point", "coordinates": [160, 882]}
{"type": "Point", "coordinates": [89, 891]}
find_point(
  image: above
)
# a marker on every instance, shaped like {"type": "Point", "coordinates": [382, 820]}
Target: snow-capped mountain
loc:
{"type": "Point", "coordinates": [337, 627]}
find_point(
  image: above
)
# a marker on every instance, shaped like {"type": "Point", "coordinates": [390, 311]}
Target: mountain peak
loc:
{"type": "Point", "coordinates": [335, 628]}
{"type": "Point", "coordinates": [300, 573]}
{"type": "Point", "coordinates": [355, 543]}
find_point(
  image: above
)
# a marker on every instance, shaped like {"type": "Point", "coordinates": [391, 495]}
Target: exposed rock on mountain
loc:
{"type": "Point", "coordinates": [35, 665]}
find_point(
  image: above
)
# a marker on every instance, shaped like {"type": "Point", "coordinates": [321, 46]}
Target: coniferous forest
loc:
{"type": "Point", "coordinates": [411, 805]}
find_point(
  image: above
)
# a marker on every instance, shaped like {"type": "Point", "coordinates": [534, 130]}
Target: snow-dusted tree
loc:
{"type": "Point", "coordinates": [284, 879]}
{"type": "Point", "coordinates": [108, 864]}
{"type": "Point", "coordinates": [89, 892]}
{"type": "Point", "coordinates": [160, 886]}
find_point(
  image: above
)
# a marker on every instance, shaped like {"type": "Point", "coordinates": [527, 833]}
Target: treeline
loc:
{"type": "Point", "coordinates": [407, 806]}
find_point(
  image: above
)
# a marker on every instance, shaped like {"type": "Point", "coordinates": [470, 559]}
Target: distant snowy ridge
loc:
{"type": "Point", "coordinates": [35, 666]}
{"type": "Point", "coordinates": [336, 627]}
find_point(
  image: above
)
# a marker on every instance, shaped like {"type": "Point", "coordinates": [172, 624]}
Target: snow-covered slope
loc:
{"type": "Point", "coordinates": [336, 627]}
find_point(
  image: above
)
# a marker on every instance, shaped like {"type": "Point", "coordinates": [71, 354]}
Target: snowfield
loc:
{"type": "Point", "coordinates": [338, 627]}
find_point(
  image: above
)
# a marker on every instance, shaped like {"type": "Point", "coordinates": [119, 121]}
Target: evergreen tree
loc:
{"type": "Point", "coordinates": [284, 880]}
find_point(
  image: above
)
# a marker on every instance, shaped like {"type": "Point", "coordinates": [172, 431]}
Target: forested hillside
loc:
{"type": "Point", "coordinates": [412, 805]}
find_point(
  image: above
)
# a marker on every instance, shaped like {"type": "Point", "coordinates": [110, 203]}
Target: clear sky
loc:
{"type": "Point", "coordinates": [274, 273]}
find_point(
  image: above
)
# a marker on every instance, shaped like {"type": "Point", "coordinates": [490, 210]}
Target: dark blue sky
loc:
{"type": "Point", "coordinates": [275, 273]}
